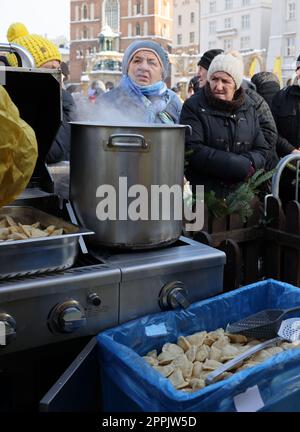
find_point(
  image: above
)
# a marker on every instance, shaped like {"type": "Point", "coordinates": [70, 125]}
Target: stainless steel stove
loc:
{"type": "Point", "coordinates": [165, 279]}
{"type": "Point", "coordinates": [104, 289]}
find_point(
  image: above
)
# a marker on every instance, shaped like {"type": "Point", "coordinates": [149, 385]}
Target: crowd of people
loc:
{"type": "Point", "coordinates": [238, 126]}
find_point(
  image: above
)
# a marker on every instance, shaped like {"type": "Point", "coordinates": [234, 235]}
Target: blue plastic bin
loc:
{"type": "Point", "coordinates": [130, 384]}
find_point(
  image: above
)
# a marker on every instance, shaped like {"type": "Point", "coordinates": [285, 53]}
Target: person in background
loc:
{"type": "Point", "coordinates": [142, 94]}
{"type": "Point", "coordinates": [267, 85]}
{"type": "Point", "coordinates": [204, 63]}
{"type": "Point", "coordinates": [286, 111]}
{"type": "Point", "coordinates": [18, 150]}
{"type": "Point", "coordinates": [193, 86]}
{"type": "Point", "coordinates": [266, 122]}
{"type": "Point", "coordinates": [176, 90]}
{"type": "Point", "coordinates": [109, 85]}
{"type": "Point", "coordinates": [226, 146]}
{"type": "Point", "coordinates": [65, 73]}
{"type": "Point", "coordinates": [97, 89]}
{"type": "Point", "coordinates": [46, 55]}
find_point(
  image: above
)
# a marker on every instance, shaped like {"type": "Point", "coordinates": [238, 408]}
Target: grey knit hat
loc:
{"type": "Point", "coordinates": [147, 45]}
{"type": "Point", "coordinates": [230, 64]}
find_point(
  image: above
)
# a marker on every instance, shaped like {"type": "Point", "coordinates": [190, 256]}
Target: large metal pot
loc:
{"type": "Point", "coordinates": [143, 155]}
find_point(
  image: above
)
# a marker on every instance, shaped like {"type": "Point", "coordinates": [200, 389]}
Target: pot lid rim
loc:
{"type": "Point", "coordinates": [133, 125]}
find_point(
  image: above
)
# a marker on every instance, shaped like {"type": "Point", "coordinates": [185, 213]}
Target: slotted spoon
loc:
{"type": "Point", "coordinates": [289, 331]}
{"type": "Point", "coordinates": [262, 325]}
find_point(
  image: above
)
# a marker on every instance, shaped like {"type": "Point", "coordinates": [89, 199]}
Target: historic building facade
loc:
{"type": "Point", "coordinates": [242, 25]}
{"type": "Point", "coordinates": [104, 28]}
{"type": "Point", "coordinates": [284, 43]}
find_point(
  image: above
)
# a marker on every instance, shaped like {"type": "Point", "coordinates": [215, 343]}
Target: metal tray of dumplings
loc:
{"type": "Point", "coordinates": [36, 255]}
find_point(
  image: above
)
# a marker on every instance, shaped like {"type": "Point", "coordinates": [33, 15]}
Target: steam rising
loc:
{"type": "Point", "coordinates": [103, 112]}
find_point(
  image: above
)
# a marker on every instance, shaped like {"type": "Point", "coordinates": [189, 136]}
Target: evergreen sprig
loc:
{"type": "Point", "coordinates": [238, 201]}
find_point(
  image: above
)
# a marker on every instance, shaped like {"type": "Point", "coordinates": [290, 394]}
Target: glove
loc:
{"type": "Point", "coordinates": [251, 171]}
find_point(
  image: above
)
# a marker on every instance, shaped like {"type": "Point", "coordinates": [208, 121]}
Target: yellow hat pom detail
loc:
{"type": "Point", "coordinates": [41, 49]}
{"type": "Point", "coordinates": [15, 31]}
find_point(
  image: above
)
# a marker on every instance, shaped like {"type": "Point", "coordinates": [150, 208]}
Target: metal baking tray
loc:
{"type": "Point", "coordinates": [39, 254]}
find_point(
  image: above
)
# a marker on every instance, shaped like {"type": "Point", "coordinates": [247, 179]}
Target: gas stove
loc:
{"type": "Point", "coordinates": [104, 289]}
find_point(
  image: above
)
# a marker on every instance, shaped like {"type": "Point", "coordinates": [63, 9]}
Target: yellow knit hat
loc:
{"type": "Point", "coordinates": [41, 49]}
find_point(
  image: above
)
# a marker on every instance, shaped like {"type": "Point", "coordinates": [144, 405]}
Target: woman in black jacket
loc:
{"type": "Point", "coordinates": [226, 146]}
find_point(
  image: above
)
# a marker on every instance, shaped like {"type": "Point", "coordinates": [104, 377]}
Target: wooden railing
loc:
{"type": "Point", "coordinates": [241, 242]}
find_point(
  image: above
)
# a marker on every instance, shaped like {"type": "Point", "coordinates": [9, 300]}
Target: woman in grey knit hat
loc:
{"type": "Point", "coordinates": [142, 95]}
{"type": "Point", "coordinates": [226, 146]}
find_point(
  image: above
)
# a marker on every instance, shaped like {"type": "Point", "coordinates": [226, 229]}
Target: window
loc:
{"type": "Point", "coordinates": [192, 37]}
{"type": "Point", "coordinates": [179, 39]}
{"type": "Point", "coordinates": [245, 22]}
{"type": "Point", "coordinates": [192, 17]}
{"type": "Point", "coordinates": [111, 14]}
{"type": "Point", "coordinates": [137, 29]}
{"type": "Point", "coordinates": [246, 3]}
{"type": "Point", "coordinates": [85, 33]}
{"type": "Point", "coordinates": [212, 26]}
{"type": "Point", "coordinates": [138, 7]}
{"type": "Point", "coordinates": [245, 42]}
{"type": "Point", "coordinates": [179, 19]}
{"type": "Point", "coordinates": [290, 46]}
{"type": "Point", "coordinates": [228, 44]}
{"type": "Point", "coordinates": [291, 10]}
{"type": "Point", "coordinates": [228, 23]}
{"type": "Point", "coordinates": [212, 6]}
{"type": "Point", "coordinates": [84, 12]}
{"type": "Point", "coordinates": [228, 4]}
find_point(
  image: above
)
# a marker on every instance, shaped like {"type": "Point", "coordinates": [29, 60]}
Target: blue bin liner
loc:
{"type": "Point", "coordinates": [130, 384]}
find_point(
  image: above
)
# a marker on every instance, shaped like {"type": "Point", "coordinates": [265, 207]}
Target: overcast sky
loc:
{"type": "Point", "coordinates": [44, 17]}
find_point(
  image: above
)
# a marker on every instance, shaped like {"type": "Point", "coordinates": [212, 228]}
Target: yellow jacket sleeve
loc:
{"type": "Point", "coordinates": [18, 150]}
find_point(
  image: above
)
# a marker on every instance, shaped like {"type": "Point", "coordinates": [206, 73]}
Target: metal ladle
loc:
{"type": "Point", "coordinates": [289, 330]}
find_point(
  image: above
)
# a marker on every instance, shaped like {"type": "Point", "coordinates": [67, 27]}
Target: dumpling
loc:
{"type": "Point", "coordinates": [202, 353]}
{"type": "Point", "coordinates": [183, 343]}
{"type": "Point", "coordinates": [197, 338]}
{"type": "Point", "coordinates": [177, 379]}
{"type": "Point", "coordinates": [164, 370]}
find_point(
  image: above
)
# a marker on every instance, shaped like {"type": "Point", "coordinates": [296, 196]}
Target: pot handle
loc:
{"type": "Point", "coordinates": [189, 127]}
{"type": "Point", "coordinates": [127, 141]}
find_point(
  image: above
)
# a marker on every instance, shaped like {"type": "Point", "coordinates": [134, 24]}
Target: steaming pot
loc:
{"type": "Point", "coordinates": [108, 162]}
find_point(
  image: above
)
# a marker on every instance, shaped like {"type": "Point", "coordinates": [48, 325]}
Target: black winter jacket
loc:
{"type": "Point", "coordinates": [223, 145]}
{"type": "Point", "coordinates": [267, 125]}
{"type": "Point", "coordinates": [286, 111]}
{"type": "Point", "coordinates": [60, 149]}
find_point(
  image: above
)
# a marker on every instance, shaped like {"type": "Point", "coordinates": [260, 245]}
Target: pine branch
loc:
{"type": "Point", "coordinates": [238, 201]}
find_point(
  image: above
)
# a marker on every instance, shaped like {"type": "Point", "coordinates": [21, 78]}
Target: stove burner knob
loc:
{"type": "Point", "coordinates": [173, 295]}
{"type": "Point", "coordinates": [94, 299]}
{"type": "Point", "coordinates": [68, 317]}
{"type": "Point", "coordinates": [10, 328]}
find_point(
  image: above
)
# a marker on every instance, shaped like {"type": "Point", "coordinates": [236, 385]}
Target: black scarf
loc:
{"type": "Point", "coordinates": [222, 105]}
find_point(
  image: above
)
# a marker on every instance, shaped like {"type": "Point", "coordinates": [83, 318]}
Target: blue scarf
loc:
{"type": "Point", "coordinates": [158, 93]}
